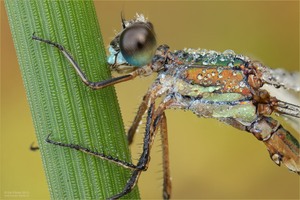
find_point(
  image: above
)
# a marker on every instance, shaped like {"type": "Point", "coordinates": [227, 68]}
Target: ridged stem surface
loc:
{"type": "Point", "coordinates": [62, 105]}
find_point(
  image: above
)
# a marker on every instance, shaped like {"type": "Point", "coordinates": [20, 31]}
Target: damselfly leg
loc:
{"type": "Point", "coordinates": [85, 80]}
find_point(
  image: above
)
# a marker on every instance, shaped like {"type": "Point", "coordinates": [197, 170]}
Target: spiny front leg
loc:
{"type": "Point", "coordinates": [167, 186]}
{"type": "Point", "coordinates": [129, 185]}
{"type": "Point", "coordinates": [155, 118]}
{"type": "Point", "coordinates": [91, 152]}
{"type": "Point", "coordinates": [136, 122]}
{"type": "Point", "coordinates": [85, 80]}
{"type": "Point", "coordinates": [145, 156]}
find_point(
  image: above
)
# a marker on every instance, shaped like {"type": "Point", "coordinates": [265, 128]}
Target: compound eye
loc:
{"type": "Point", "coordinates": [138, 44]}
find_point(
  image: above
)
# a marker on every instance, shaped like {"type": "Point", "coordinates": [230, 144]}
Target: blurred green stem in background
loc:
{"type": "Point", "coordinates": [62, 105]}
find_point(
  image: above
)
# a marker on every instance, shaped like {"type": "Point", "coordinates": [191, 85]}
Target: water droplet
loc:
{"type": "Point", "coordinates": [204, 71]}
{"type": "Point", "coordinates": [220, 76]}
{"type": "Point", "coordinates": [276, 158]}
{"type": "Point", "coordinates": [212, 52]}
{"type": "Point", "coordinates": [222, 58]}
{"type": "Point", "coordinates": [242, 84]}
{"type": "Point", "coordinates": [202, 52]}
{"type": "Point", "coordinates": [220, 69]}
{"type": "Point", "coordinates": [228, 52]}
{"type": "Point", "coordinates": [205, 62]}
{"type": "Point", "coordinates": [234, 73]}
{"type": "Point", "coordinates": [196, 56]}
{"type": "Point", "coordinates": [244, 58]}
{"type": "Point", "coordinates": [199, 77]}
{"type": "Point", "coordinates": [213, 73]}
{"type": "Point", "coordinates": [213, 61]}
{"type": "Point", "coordinates": [230, 64]}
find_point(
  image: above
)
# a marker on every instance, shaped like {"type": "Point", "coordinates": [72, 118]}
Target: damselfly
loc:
{"type": "Point", "coordinates": [223, 86]}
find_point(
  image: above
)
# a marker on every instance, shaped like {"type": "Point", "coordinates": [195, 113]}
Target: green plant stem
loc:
{"type": "Point", "coordinates": [62, 105]}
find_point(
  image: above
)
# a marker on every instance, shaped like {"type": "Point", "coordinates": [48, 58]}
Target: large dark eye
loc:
{"type": "Point", "coordinates": [137, 44]}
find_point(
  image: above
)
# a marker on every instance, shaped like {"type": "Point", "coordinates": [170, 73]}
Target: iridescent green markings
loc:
{"type": "Point", "coordinates": [223, 86]}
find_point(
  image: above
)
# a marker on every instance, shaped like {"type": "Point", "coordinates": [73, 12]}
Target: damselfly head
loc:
{"type": "Point", "coordinates": [134, 46]}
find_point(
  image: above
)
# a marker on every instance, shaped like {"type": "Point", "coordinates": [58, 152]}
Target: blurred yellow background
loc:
{"type": "Point", "coordinates": [209, 160]}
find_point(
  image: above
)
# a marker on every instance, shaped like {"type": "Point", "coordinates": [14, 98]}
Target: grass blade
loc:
{"type": "Point", "coordinates": [62, 105]}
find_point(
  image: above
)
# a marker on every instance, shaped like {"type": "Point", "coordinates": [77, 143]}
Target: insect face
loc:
{"type": "Point", "coordinates": [138, 44]}
{"type": "Point", "coordinates": [134, 46]}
